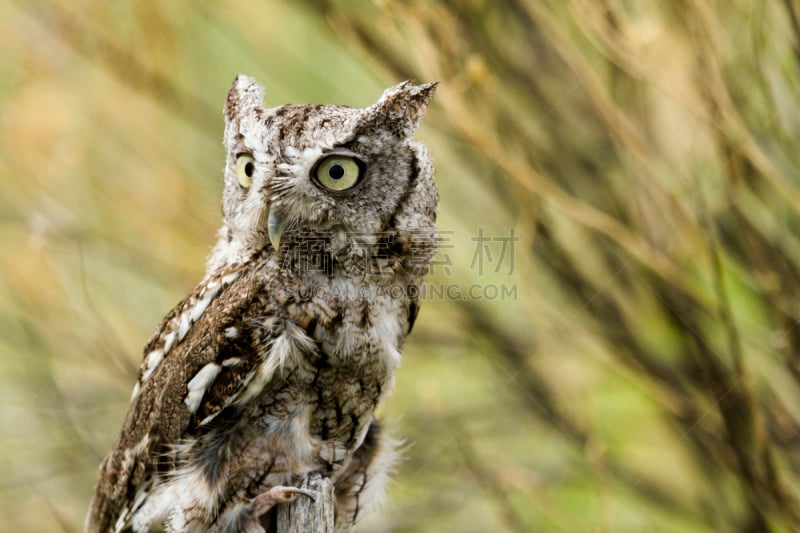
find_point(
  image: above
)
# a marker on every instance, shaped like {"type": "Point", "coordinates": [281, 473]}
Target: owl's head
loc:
{"type": "Point", "coordinates": [295, 172]}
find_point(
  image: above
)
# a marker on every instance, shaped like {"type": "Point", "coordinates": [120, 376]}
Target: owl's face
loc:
{"type": "Point", "coordinates": [299, 170]}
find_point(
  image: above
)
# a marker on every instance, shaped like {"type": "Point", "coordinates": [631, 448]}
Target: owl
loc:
{"type": "Point", "coordinates": [272, 368]}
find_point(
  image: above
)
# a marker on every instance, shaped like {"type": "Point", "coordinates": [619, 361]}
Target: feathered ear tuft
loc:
{"type": "Point", "coordinates": [245, 94]}
{"type": "Point", "coordinates": [401, 108]}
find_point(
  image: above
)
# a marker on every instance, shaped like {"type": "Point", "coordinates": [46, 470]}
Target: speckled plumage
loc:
{"type": "Point", "coordinates": [271, 369]}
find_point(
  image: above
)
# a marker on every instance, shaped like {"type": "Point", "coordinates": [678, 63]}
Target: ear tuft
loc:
{"type": "Point", "coordinates": [244, 94]}
{"type": "Point", "coordinates": [401, 108]}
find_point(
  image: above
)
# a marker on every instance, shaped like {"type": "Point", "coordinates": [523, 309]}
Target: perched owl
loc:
{"type": "Point", "coordinates": [271, 369]}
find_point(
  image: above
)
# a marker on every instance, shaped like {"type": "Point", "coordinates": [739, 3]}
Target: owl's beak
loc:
{"type": "Point", "coordinates": [276, 224]}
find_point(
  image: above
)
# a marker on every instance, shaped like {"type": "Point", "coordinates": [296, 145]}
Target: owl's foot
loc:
{"type": "Point", "coordinates": [265, 501]}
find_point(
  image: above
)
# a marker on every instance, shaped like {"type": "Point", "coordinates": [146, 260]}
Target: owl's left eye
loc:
{"type": "Point", "coordinates": [245, 168]}
{"type": "Point", "coordinates": [338, 172]}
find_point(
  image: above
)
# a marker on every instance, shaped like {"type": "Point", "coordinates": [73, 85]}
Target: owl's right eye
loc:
{"type": "Point", "coordinates": [245, 168]}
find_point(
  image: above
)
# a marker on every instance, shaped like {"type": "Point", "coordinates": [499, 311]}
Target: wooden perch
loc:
{"type": "Point", "coordinates": [305, 515]}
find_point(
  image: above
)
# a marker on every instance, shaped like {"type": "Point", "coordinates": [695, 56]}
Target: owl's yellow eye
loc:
{"type": "Point", "coordinates": [338, 172]}
{"type": "Point", "coordinates": [245, 168]}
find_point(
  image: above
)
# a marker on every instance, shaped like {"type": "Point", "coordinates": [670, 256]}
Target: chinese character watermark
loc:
{"type": "Point", "coordinates": [442, 259]}
{"type": "Point", "coordinates": [483, 252]}
{"type": "Point", "coordinates": [380, 256]}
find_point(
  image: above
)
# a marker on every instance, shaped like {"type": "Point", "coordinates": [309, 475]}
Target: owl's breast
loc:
{"type": "Point", "coordinates": [354, 325]}
{"type": "Point", "coordinates": [356, 350]}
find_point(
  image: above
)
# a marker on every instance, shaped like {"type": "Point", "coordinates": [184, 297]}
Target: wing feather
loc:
{"type": "Point", "coordinates": [159, 417]}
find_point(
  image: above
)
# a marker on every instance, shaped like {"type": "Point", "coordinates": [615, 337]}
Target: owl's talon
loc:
{"type": "Point", "coordinates": [265, 501]}
{"type": "Point", "coordinates": [255, 521]}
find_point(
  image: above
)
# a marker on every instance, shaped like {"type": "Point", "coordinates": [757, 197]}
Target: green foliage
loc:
{"type": "Point", "coordinates": [646, 376]}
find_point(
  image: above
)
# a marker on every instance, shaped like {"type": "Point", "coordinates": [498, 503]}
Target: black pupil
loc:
{"type": "Point", "coordinates": [248, 169]}
{"type": "Point", "coordinates": [336, 171]}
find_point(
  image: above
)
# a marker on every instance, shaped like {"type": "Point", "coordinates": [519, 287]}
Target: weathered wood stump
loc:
{"type": "Point", "coordinates": [305, 515]}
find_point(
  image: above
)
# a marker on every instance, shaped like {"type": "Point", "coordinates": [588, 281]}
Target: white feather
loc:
{"type": "Point", "coordinates": [151, 362]}
{"type": "Point", "coordinates": [199, 384]}
{"type": "Point", "coordinates": [183, 326]}
{"type": "Point", "coordinates": [169, 340]}
{"type": "Point", "coordinates": [136, 389]}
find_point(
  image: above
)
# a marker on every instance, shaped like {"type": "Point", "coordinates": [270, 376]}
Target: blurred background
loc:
{"type": "Point", "coordinates": [609, 342]}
